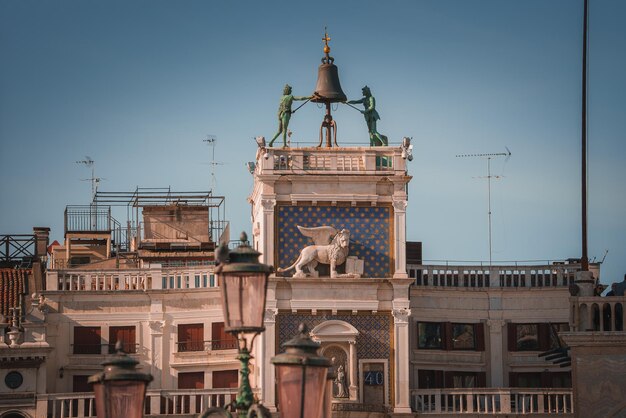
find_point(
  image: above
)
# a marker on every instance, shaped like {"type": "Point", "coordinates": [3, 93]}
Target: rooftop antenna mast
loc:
{"type": "Point", "coordinates": [489, 176]}
{"type": "Point", "coordinates": [210, 141]}
{"type": "Point", "coordinates": [90, 163]}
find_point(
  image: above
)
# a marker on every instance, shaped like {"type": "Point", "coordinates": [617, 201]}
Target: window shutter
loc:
{"type": "Point", "coordinates": [481, 379]}
{"type": "Point", "coordinates": [544, 337]}
{"type": "Point", "coordinates": [512, 336]}
{"type": "Point", "coordinates": [446, 335]}
{"type": "Point", "coordinates": [479, 335]}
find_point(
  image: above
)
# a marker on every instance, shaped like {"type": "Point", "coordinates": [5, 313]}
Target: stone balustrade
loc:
{"type": "Point", "coordinates": [512, 401]}
{"type": "Point", "coordinates": [178, 402]}
{"type": "Point", "coordinates": [356, 160]}
{"type": "Point", "coordinates": [509, 276]}
{"type": "Point", "coordinates": [154, 277]}
{"type": "Point", "coordinates": [596, 313]}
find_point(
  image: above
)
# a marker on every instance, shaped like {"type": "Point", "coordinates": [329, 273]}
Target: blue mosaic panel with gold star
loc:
{"type": "Point", "coordinates": [369, 226]}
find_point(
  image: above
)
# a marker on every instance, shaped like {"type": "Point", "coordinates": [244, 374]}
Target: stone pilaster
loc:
{"type": "Point", "coordinates": [495, 352]}
{"type": "Point", "coordinates": [399, 222]}
{"type": "Point", "coordinates": [402, 393]}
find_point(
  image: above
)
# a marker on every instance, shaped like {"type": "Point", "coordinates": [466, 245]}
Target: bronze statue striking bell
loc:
{"type": "Point", "coordinates": [328, 88]}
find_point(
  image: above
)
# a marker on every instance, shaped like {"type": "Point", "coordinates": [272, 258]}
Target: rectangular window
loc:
{"type": "Point", "coordinates": [430, 379]}
{"type": "Point", "coordinates": [450, 336]}
{"type": "Point", "coordinates": [80, 384]}
{"type": "Point", "coordinates": [212, 280]}
{"type": "Point", "coordinates": [527, 338]}
{"type": "Point", "coordinates": [124, 334]}
{"type": "Point", "coordinates": [191, 380]}
{"type": "Point", "coordinates": [164, 282]}
{"type": "Point", "coordinates": [190, 337]}
{"type": "Point", "coordinates": [171, 282]}
{"type": "Point", "coordinates": [220, 339]}
{"type": "Point", "coordinates": [204, 280]}
{"type": "Point", "coordinates": [178, 282]}
{"type": "Point", "coordinates": [197, 280]}
{"type": "Point", "coordinates": [463, 338]}
{"type": "Point", "coordinates": [186, 282]}
{"type": "Point", "coordinates": [534, 337]}
{"type": "Point", "coordinates": [430, 335]}
{"type": "Point", "coordinates": [225, 379]}
{"type": "Point", "coordinates": [87, 340]}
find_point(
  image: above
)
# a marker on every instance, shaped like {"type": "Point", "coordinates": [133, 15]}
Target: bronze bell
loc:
{"type": "Point", "coordinates": [328, 89]}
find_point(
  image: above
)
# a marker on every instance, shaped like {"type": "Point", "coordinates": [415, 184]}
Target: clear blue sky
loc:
{"type": "Point", "coordinates": [137, 85]}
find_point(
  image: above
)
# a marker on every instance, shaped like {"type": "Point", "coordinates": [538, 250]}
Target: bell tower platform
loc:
{"type": "Point", "coordinates": [361, 309]}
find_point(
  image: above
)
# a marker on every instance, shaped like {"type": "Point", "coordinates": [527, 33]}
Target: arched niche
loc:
{"type": "Point", "coordinates": [338, 340]}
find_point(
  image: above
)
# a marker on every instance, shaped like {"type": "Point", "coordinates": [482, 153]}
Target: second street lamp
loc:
{"type": "Point", "coordinates": [243, 286]}
{"type": "Point", "coordinates": [301, 375]}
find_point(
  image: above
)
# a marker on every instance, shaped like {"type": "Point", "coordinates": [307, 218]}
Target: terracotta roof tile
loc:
{"type": "Point", "coordinates": [12, 285]}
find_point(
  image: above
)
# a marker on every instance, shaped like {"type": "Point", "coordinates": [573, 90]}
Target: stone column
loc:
{"type": "Point", "coordinates": [399, 223]}
{"type": "Point", "coordinates": [267, 349]}
{"type": "Point", "coordinates": [402, 404]}
{"type": "Point", "coordinates": [496, 345]}
{"type": "Point", "coordinates": [353, 389]}
{"type": "Point", "coordinates": [267, 231]}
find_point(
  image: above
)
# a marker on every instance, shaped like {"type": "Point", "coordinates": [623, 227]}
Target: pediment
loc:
{"type": "Point", "coordinates": [334, 330]}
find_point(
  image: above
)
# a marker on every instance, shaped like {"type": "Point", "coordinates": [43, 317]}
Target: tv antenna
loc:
{"type": "Point", "coordinates": [210, 141]}
{"type": "Point", "coordinates": [90, 163]}
{"type": "Point", "coordinates": [489, 176]}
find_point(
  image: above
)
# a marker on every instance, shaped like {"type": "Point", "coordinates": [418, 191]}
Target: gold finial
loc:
{"type": "Point", "coordinates": [326, 38]}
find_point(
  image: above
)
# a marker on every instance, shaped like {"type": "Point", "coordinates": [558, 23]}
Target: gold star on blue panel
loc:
{"type": "Point", "coordinates": [369, 233]}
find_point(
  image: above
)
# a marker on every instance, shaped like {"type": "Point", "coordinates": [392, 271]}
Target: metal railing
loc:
{"type": "Point", "coordinates": [88, 218]}
{"type": "Point", "coordinates": [15, 248]}
{"type": "Point", "coordinates": [210, 345]}
{"type": "Point", "coordinates": [185, 402]}
{"type": "Point", "coordinates": [512, 276]}
{"type": "Point", "coordinates": [492, 401]}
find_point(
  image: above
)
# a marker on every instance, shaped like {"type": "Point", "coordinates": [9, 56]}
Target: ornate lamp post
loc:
{"type": "Point", "coordinates": [120, 389]}
{"type": "Point", "coordinates": [302, 376]}
{"type": "Point", "coordinates": [243, 284]}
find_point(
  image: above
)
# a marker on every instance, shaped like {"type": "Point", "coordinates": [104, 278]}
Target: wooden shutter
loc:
{"type": "Point", "coordinates": [190, 337]}
{"type": "Point", "coordinates": [124, 334]}
{"type": "Point", "coordinates": [479, 336]}
{"type": "Point", "coordinates": [446, 335]}
{"type": "Point", "coordinates": [79, 384]}
{"type": "Point", "coordinates": [225, 379]}
{"type": "Point", "coordinates": [220, 339]}
{"type": "Point", "coordinates": [481, 379]}
{"type": "Point", "coordinates": [87, 340]}
{"type": "Point", "coordinates": [192, 380]}
{"type": "Point", "coordinates": [544, 337]}
{"type": "Point", "coordinates": [512, 336]}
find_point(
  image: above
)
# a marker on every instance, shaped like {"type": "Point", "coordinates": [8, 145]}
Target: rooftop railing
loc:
{"type": "Point", "coordinates": [17, 248]}
{"type": "Point", "coordinates": [512, 276]}
{"type": "Point", "coordinates": [154, 277]}
{"type": "Point", "coordinates": [354, 160]}
{"type": "Point", "coordinates": [492, 401]}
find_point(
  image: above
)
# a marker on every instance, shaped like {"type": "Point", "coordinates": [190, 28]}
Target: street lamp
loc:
{"type": "Point", "coordinates": [301, 376]}
{"type": "Point", "coordinates": [243, 285]}
{"type": "Point", "coordinates": [120, 389]}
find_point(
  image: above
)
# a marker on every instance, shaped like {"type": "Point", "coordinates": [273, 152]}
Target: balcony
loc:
{"type": "Point", "coordinates": [496, 401]}
{"type": "Point", "coordinates": [181, 402]}
{"type": "Point", "coordinates": [507, 276]}
{"type": "Point", "coordinates": [140, 279]}
{"type": "Point", "coordinates": [345, 160]}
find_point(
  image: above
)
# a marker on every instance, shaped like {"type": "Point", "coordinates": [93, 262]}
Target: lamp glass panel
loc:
{"type": "Point", "coordinates": [125, 399]}
{"type": "Point", "coordinates": [244, 298]}
{"type": "Point", "coordinates": [290, 390]}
